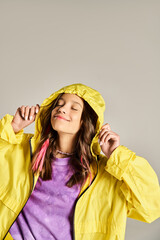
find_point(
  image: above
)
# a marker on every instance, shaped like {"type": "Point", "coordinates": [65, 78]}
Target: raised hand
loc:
{"type": "Point", "coordinates": [108, 139]}
{"type": "Point", "coordinates": [24, 116]}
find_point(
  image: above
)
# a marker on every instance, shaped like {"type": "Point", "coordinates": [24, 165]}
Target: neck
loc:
{"type": "Point", "coordinates": [65, 143]}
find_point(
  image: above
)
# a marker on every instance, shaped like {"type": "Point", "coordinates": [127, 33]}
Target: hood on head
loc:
{"type": "Point", "coordinates": [94, 99]}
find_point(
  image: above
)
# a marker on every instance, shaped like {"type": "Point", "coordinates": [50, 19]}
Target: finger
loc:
{"type": "Point", "coordinates": [106, 126]}
{"type": "Point", "coordinates": [110, 137]}
{"type": "Point", "coordinates": [26, 113]}
{"type": "Point", "coordinates": [22, 110]}
{"type": "Point", "coordinates": [105, 134]}
{"type": "Point", "coordinates": [18, 111]}
{"type": "Point", "coordinates": [37, 108]}
{"type": "Point", "coordinates": [103, 131]}
{"type": "Point", "coordinates": [107, 138]}
{"type": "Point", "coordinates": [32, 113]}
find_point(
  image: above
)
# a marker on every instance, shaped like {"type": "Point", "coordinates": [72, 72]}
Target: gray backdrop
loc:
{"type": "Point", "coordinates": [112, 46]}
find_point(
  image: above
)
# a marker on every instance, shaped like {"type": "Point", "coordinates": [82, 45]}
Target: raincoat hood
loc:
{"type": "Point", "coordinates": [92, 97]}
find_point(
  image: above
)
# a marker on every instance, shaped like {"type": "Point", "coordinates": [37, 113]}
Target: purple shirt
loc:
{"type": "Point", "coordinates": [48, 214]}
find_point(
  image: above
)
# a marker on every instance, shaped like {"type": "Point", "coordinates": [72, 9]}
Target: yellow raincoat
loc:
{"type": "Point", "coordinates": [123, 186]}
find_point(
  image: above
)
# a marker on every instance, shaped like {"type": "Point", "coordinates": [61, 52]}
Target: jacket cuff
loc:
{"type": "Point", "coordinates": [7, 133]}
{"type": "Point", "coordinates": [119, 161]}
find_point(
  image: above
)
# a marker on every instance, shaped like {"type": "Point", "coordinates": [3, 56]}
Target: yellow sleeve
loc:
{"type": "Point", "coordinates": [7, 133]}
{"type": "Point", "coordinates": [140, 184]}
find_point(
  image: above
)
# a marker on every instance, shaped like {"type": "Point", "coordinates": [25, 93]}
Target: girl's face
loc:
{"type": "Point", "coordinates": [66, 116]}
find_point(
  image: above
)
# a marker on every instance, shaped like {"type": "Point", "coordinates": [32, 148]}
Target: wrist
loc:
{"type": "Point", "coordinates": [112, 151]}
{"type": "Point", "coordinates": [16, 129]}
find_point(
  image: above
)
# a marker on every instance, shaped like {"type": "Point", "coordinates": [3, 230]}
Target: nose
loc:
{"type": "Point", "coordinates": [62, 109]}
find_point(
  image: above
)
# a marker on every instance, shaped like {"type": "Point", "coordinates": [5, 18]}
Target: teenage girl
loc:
{"type": "Point", "coordinates": [72, 179]}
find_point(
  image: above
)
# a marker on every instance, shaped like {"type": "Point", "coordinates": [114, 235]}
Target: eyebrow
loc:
{"type": "Point", "coordinates": [72, 101]}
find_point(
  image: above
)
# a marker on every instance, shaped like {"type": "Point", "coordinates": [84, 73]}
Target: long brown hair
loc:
{"type": "Point", "coordinates": [82, 158]}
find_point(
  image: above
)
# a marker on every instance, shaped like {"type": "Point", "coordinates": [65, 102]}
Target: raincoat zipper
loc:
{"type": "Point", "coordinates": [30, 193]}
{"type": "Point", "coordinates": [79, 198]}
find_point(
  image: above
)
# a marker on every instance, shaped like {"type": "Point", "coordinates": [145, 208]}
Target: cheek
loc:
{"type": "Point", "coordinates": [52, 114]}
{"type": "Point", "coordinates": [77, 120]}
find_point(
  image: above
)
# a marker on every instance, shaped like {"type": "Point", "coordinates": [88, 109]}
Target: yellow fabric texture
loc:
{"type": "Point", "coordinates": [125, 185]}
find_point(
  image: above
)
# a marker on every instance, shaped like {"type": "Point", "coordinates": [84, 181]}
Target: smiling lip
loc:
{"type": "Point", "coordinates": [61, 117]}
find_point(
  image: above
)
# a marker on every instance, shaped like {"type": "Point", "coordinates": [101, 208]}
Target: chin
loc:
{"type": "Point", "coordinates": [61, 128]}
